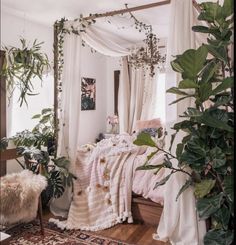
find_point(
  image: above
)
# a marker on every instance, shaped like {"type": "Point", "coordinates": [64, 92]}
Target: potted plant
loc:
{"type": "Point", "coordinates": [21, 65]}
{"type": "Point", "coordinates": [37, 149]}
{"type": "Point", "coordinates": [207, 148]}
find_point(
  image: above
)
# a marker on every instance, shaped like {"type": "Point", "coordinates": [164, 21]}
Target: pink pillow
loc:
{"type": "Point", "coordinates": [154, 123]}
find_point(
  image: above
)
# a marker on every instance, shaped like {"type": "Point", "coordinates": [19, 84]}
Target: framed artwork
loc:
{"type": "Point", "coordinates": [88, 93]}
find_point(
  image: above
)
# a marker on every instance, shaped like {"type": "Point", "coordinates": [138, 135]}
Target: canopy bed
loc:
{"type": "Point", "coordinates": [106, 172]}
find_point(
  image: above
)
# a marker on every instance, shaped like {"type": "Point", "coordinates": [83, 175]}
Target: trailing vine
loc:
{"type": "Point", "coordinates": [62, 30]}
{"type": "Point", "coordinates": [139, 25]}
{"type": "Point", "coordinates": [23, 64]}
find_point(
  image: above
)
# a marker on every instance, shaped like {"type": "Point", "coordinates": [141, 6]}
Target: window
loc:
{"type": "Point", "coordinates": [19, 118]}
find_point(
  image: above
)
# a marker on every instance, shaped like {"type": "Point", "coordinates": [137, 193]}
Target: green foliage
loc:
{"type": "Point", "coordinates": [21, 65]}
{"type": "Point", "coordinates": [204, 187]}
{"type": "Point", "coordinates": [208, 146]}
{"type": "Point", "coordinates": [144, 139]}
{"type": "Point", "coordinates": [61, 30]}
{"type": "Point", "coordinates": [37, 148]}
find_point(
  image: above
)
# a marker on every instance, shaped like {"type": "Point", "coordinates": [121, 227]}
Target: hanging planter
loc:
{"type": "Point", "coordinates": [21, 66]}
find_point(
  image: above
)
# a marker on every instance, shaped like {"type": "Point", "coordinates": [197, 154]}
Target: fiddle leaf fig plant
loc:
{"type": "Point", "coordinates": [21, 66]}
{"type": "Point", "coordinates": [207, 148]}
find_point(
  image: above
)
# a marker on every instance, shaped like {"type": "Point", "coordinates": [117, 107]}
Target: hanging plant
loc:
{"type": "Point", "coordinates": [21, 66]}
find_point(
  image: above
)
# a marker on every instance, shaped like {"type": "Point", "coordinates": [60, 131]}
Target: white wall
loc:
{"type": "Point", "coordinates": [12, 29]}
{"type": "Point", "coordinates": [93, 122]}
{"type": "Point", "coordinates": [94, 65]}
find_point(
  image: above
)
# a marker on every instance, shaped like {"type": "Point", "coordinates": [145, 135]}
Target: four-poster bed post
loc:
{"type": "Point", "coordinates": [126, 10]}
{"type": "Point", "coordinates": [56, 81]}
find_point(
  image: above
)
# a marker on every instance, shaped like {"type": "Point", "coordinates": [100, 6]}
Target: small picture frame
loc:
{"type": "Point", "coordinates": [88, 94]}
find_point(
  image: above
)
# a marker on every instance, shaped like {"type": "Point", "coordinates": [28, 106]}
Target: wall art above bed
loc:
{"type": "Point", "coordinates": [88, 94]}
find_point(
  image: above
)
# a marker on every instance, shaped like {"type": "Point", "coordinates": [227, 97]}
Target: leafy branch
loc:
{"type": "Point", "coordinates": [207, 148]}
{"type": "Point", "coordinates": [21, 66]}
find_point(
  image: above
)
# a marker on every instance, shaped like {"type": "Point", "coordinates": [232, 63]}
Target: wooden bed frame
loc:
{"type": "Point", "coordinates": [145, 210]}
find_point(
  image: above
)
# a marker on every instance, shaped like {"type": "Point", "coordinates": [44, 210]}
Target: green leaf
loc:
{"type": "Point", "coordinates": [192, 112]}
{"type": "Point", "coordinates": [176, 67]}
{"type": "Point", "coordinates": [186, 124]}
{"type": "Point", "coordinates": [209, 71]}
{"type": "Point", "coordinates": [55, 181]}
{"type": "Point", "coordinates": [149, 167]}
{"type": "Point", "coordinates": [167, 162]}
{"type": "Point", "coordinates": [203, 188]}
{"type": "Point", "coordinates": [172, 140]}
{"type": "Point", "coordinates": [144, 139]}
{"type": "Point", "coordinates": [152, 154]}
{"type": "Point", "coordinates": [219, 237]}
{"type": "Point", "coordinates": [205, 91]}
{"type": "Point", "coordinates": [228, 187]}
{"type": "Point", "coordinates": [225, 84]}
{"type": "Point", "coordinates": [61, 162]}
{"type": "Point", "coordinates": [175, 90]}
{"type": "Point", "coordinates": [187, 84]}
{"type": "Point", "coordinates": [213, 121]}
{"type": "Point", "coordinates": [197, 146]}
{"type": "Point", "coordinates": [163, 181]}
{"type": "Point", "coordinates": [202, 29]}
{"type": "Point", "coordinates": [219, 52]}
{"type": "Point", "coordinates": [184, 187]}
{"type": "Point", "coordinates": [179, 150]}
{"type": "Point", "coordinates": [210, 11]}
{"type": "Point", "coordinates": [217, 157]}
{"type": "Point", "coordinates": [192, 62]}
{"type": "Point", "coordinates": [182, 98]}
{"type": "Point", "coordinates": [222, 216]}
{"type": "Point", "coordinates": [209, 205]}
{"type": "Point", "coordinates": [46, 110]}
{"type": "Point", "coordinates": [36, 116]}
{"type": "Point", "coordinates": [227, 8]}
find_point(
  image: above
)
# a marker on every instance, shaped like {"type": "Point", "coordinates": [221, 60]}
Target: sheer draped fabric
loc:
{"type": "Point", "coordinates": [181, 37]}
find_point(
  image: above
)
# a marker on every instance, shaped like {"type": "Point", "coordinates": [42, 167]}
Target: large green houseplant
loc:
{"type": "Point", "coordinates": [207, 148]}
{"type": "Point", "coordinates": [38, 152]}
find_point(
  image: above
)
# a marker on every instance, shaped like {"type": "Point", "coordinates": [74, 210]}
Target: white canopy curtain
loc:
{"type": "Point", "coordinates": [136, 96]}
{"type": "Point", "coordinates": [181, 37]}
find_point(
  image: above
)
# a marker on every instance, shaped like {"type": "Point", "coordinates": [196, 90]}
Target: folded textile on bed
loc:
{"type": "Point", "coordinates": [102, 192]}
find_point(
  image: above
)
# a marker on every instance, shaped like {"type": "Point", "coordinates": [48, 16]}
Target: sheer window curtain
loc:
{"type": "Point", "coordinates": [181, 37]}
{"type": "Point", "coordinates": [137, 96]}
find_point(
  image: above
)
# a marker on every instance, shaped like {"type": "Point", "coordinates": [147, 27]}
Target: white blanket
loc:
{"type": "Point", "coordinates": [102, 193]}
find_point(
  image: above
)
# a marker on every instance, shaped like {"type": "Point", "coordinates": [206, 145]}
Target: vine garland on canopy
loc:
{"type": "Point", "coordinates": [147, 55]}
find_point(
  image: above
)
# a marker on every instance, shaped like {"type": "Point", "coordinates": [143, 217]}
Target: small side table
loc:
{"type": "Point", "coordinates": [4, 238]}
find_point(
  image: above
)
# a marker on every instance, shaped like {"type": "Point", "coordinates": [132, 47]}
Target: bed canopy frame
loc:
{"type": "Point", "coordinates": [91, 17]}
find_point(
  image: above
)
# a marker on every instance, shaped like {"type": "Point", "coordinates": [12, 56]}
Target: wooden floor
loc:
{"type": "Point", "coordinates": [132, 233]}
{"type": "Point", "coordinates": [137, 234]}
